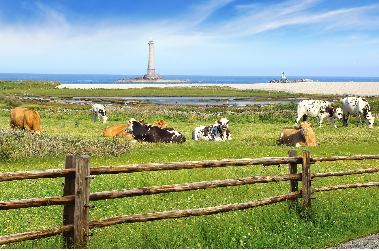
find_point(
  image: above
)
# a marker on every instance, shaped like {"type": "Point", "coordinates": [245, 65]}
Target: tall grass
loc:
{"type": "Point", "coordinates": [335, 217]}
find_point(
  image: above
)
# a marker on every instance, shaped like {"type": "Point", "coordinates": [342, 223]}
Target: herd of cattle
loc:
{"type": "Point", "coordinates": [159, 132]}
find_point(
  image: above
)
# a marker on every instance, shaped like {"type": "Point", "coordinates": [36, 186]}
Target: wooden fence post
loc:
{"type": "Point", "coordinates": [82, 192]}
{"type": "Point", "coordinates": [69, 209]}
{"type": "Point", "coordinates": [292, 168]}
{"type": "Point", "coordinates": [306, 179]}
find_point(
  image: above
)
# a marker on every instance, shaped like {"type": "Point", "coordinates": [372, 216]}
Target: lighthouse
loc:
{"type": "Point", "coordinates": [150, 68]}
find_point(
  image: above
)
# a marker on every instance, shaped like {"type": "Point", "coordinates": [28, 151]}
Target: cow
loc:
{"type": "Point", "coordinates": [318, 108]}
{"type": "Point", "coordinates": [117, 131]}
{"type": "Point", "coordinates": [26, 119]}
{"type": "Point", "coordinates": [98, 111]}
{"type": "Point", "coordinates": [148, 133]}
{"type": "Point", "coordinates": [160, 123]}
{"type": "Point", "coordinates": [299, 136]}
{"type": "Point", "coordinates": [217, 132]}
{"type": "Point", "coordinates": [358, 107]}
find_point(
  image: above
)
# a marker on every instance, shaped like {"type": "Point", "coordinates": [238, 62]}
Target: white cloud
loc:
{"type": "Point", "coordinates": [60, 45]}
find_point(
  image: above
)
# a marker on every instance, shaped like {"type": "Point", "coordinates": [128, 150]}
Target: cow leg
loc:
{"type": "Point", "coordinates": [345, 120]}
{"type": "Point", "coordinates": [298, 118]}
{"type": "Point", "coordinates": [358, 119]}
{"type": "Point", "coordinates": [319, 121]}
{"type": "Point", "coordinates": [334, 124]}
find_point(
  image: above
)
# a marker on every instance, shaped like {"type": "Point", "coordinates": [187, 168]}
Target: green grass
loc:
{"type": "Point", "coordinates": [336, 216]}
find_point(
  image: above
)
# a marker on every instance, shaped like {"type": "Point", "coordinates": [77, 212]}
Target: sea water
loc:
{"type": "Point", "coordinates": [110, 78]}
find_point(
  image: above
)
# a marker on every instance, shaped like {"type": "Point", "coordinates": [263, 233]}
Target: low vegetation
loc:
{"type": "Point", "coordinates": [336, 216]}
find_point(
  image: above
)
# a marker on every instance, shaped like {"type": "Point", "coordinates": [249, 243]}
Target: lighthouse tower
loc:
{"type": "Point", "coordinates": [150, 69]}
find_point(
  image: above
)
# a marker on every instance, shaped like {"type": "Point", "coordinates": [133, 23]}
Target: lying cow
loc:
{"type": "Point", "coordinates": [217, 132]}
{"type": "Point", "coordinates": [359, 108]}
{"type": "Point", "coordinates": [160, 123]}
{"type": "Point", "coordinates": [318, 108]}
{"type": "Point", "coordinates": [300, 136]}
{"type": "Point", "coordinates": [26, 119]}
{"type": "Point", "coordinates": [148, 133]}
{"type": "Point", "coordinates": [98, 111]}
{"type": "Point", "coordinates": [118, 131]}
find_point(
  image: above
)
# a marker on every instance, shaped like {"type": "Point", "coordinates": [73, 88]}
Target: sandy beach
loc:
{"type": "Point", "coordinates": [363, 89]}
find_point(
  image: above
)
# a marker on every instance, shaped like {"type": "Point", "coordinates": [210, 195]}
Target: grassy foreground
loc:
{"type": "Point", "coordinates": [336, 216]}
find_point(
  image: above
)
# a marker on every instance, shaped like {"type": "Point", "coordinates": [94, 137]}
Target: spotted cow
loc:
{"type": "Point", "coordinates": [358, 107]}
{"type": "Point", "coordinates": [98, 111]}
{"type": "Point", "coordinates": [217, 132]}
{"type": "Point", "coordinates": [318, 108]}
{"type": "Point", "coordinates": [148, 133]}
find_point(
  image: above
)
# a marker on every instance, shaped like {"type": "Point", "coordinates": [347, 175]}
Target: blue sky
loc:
{"type": "Point", "coordinates": [197, 37]}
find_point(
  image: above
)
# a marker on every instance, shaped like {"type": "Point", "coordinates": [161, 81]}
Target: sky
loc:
{"type": "Point", "coordinates": [197, 37]}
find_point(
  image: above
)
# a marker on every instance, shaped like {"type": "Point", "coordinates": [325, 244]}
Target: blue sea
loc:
{"type": "Point", "coordinates": [110, 79]}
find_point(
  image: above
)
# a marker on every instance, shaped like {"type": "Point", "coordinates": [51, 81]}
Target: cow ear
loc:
{"type": "Point", "coordinates": [216, 121]}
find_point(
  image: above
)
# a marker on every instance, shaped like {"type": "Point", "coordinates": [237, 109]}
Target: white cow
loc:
{"type": "Point", "coordinates": [359, 108]}
{"type": "Point", "coordinates": [318, 108]}
{"type": "Point", "coordinates": [98, 111]}
{"type": "Point", "coordinates": [217, 132]}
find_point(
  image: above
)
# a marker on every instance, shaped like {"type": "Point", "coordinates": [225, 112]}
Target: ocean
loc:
{"type": "Point", "coordinates": [110, 79]}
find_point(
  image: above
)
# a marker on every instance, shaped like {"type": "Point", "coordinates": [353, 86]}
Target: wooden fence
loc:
{"type": "Point", "coordinates": [78, 173]}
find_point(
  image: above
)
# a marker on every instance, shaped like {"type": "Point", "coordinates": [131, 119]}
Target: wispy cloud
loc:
{"type": "Point", "coordinates": [55, 39]}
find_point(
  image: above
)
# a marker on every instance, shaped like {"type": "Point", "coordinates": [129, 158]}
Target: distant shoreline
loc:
{"type": "Point", "coordinates": [330, 88]}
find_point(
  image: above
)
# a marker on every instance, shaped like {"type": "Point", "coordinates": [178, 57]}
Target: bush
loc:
{"type": "Point", "coordinates": [13, 102]}
{"type": "Point", "coordinates": [18, 145]}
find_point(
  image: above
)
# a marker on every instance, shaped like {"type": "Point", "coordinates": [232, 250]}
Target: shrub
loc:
{"type": "Point", "coordinates": [12, 101]}
{"type": "Point", "coordinates": [18, 145]}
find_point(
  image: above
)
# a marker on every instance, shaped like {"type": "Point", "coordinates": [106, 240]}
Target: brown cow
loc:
{"type": "Point", "coordinates": [160, 123]}
{"type": "Point", "coordinates": [300, 136]}
{"type": "Point", "coordinates": [26, 119]}
{"type": "Point", "coordinates": [118, 131]}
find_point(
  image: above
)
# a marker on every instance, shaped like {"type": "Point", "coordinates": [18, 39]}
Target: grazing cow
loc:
{"type": "Point", "coordinates": [318, 108]}
{"type": "Point", "coordinates": [216, 132]}
{"type": "Point", "coordinates": [98, 111]}
{"type": "Point", "coordinates": [148, 133]}
{"type": "Point", "coordinates": [300, 136]}
{"type": "Point", "coordinates": [359, 108]}
{"type": "Point", "coordinates": [26, 119]}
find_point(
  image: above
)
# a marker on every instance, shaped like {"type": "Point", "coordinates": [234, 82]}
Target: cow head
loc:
{"type": "Point", "coordinates": [161, 123]}
{"type": "Point", "coordinates": [223, 122]}
{"type": "Point", "coordinates": [337, 113]}
{"type": "Point", "coordinates": [129, 129]}
{"type": "Point", "coordinates": [369, 120]}
{"type": "Point", "coordinates": [105, 117]}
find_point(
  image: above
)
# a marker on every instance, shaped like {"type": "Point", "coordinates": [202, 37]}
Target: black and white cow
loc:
{"type": "Point", "coordinates": [359, 108]}
{"type": "Point", "coordinates": [148, 133]}
{"type": "Point", "coordinates": [318, 108]}
{"type": "Point", "coordinates": [217, 132]}
{"type": "Point", "coordinates": [98, 111]}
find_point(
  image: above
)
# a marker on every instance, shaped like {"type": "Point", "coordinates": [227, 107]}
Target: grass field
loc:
{"type": "Point", "coordinates": [336, 216]}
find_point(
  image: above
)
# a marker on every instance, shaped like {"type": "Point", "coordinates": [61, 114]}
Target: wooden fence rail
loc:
{"type": "Point", "coordinates": [77, 194]}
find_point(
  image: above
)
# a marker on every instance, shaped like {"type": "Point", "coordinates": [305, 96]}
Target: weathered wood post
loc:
{"type": "Point", "coordinates": [69, 209]}
{"type": "Point", "coordinates": [306, 179]}
{"type": "Point", "coordinates": [82, 192]}
{"type": "Point", "coordinates": [292, 168]}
